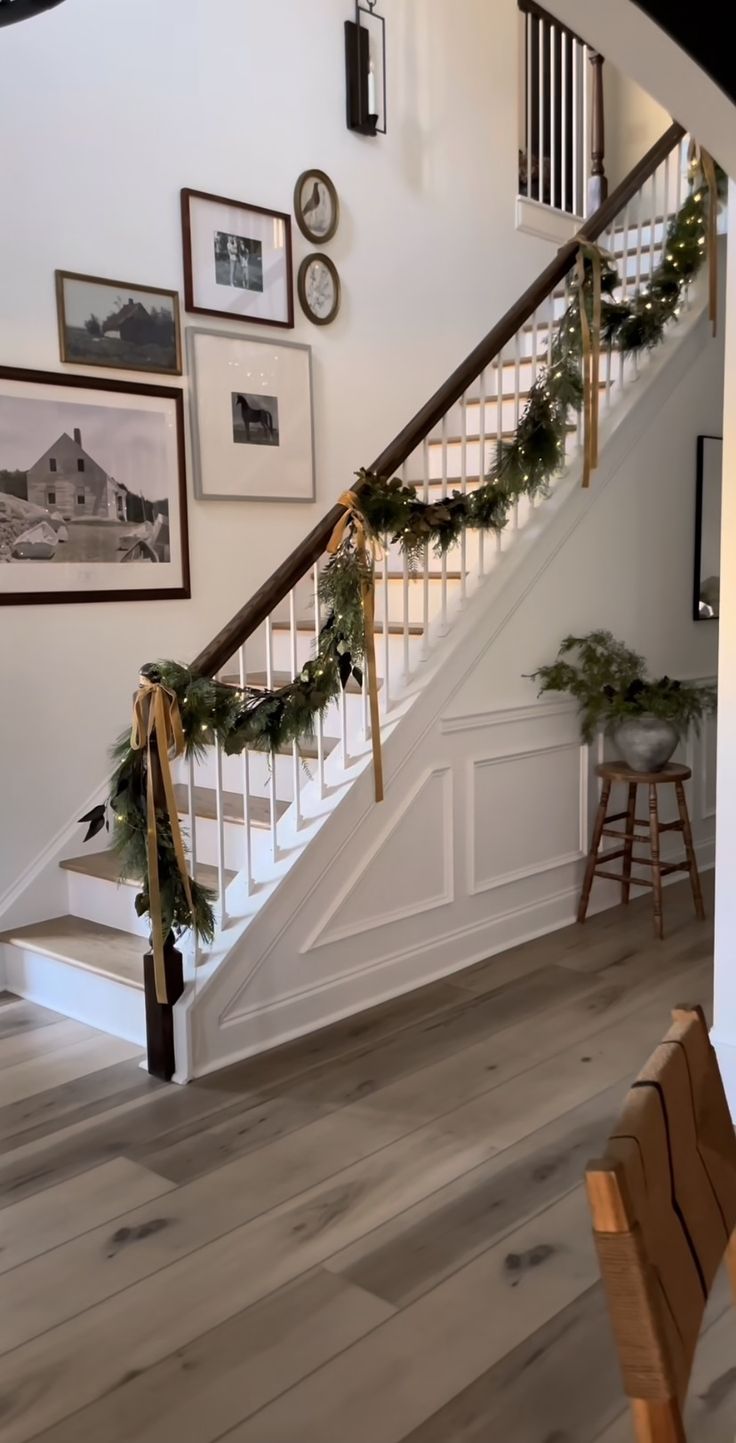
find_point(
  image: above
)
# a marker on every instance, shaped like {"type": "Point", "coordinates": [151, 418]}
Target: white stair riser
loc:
{"type": "Point", "coordinates": [114, 1007]}
{"type": "Point", "coordinates": [110, 903]}
{"type": "Point", "coordinates": [305, 644]}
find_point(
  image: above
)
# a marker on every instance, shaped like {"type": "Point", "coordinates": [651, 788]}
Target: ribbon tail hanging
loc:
{"type": "Point", "coordinates": [157, 728]}
{"type": "Point", "coordinates": [366, 557]}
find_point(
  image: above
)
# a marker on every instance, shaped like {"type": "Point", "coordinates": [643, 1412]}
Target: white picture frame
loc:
{"type": "Point", "coordinates": [252, 417]}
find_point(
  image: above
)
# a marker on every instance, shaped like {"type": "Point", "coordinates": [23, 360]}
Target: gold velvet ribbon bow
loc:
{"type": "Point", "coordinates": [368, 550]}
{"type": "Point", "coordinates": [157, 719]}
{"type": "Point", "coordinates": [590, 330]}
{"type": "Point", "coordinates": [699, 159]}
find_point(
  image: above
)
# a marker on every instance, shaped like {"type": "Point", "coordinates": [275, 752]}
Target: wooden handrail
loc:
{"type": "Point", "coordinates": [280, 583]}
{"type": "Point", "coordinates": [530, 7]}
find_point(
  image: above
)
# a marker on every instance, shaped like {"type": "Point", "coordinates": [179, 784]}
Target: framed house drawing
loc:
{"type": "Point", "coordinates": [93, 500]}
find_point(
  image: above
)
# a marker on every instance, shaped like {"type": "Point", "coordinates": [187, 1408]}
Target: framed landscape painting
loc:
{"type": "Point", "coordinates": [237, 260]}
{"type": "Point", "coordinates": [114, 323]}
{"type": "Point", "coordinates": [92, 490]}
{"type": "Point", "coordinates": [252, 418]}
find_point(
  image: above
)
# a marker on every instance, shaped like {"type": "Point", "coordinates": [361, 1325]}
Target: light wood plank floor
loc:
{"type": "Point", "coordinates": [372, 1235]}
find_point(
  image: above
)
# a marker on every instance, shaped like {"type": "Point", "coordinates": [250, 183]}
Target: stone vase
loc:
{"type": "Point", "coordinates": [646, 742]}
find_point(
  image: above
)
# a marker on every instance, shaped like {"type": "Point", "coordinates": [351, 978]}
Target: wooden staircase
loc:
{"type": "Point", "coordinates": [245, 817]}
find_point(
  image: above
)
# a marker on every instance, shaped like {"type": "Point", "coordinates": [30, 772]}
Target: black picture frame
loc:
{"type": "Point", "coordinates": [116, 363]}
{"type": "Point", "coordinates": [188, 197]}
{"type": "Point", "coordinates": [173, 394]}
{"type": "Point", "coordinates": [700, 481]}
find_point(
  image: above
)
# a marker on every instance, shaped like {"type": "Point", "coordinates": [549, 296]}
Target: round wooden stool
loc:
{"type": "Point", "coordinates": [597, 865]}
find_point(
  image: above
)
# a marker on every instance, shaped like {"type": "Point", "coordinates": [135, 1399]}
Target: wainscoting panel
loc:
{"type": "Point", "coordinates": [527, 813]}
{"type": "Point", "coordinates": [398, 877]}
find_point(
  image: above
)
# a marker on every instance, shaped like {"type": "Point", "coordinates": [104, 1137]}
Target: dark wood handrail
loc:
{"type": "Point", "coordinates": [280, 583]}
{"type": "Point", "coordinates": [530, 7]}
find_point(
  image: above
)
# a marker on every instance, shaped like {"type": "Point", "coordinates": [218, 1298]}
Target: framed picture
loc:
{"type": "Point", "coordinates": [316, 206]}
{"type": "Point", "coordinates": [318, 287]}
{"type": "Point", "coordinates": [252, 422]}
{"type": "Point", "coordinates": [709, 486]}
{"type": "Point", "coordinates": [237, 260]}
{"type": "Point", "coordinates": [92, 490]}
{"type": "Point", "coordinates": [114, 323]}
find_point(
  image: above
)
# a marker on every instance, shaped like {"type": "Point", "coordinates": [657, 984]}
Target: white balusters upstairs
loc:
{"type": "Point", "coordinates": [556, 127]}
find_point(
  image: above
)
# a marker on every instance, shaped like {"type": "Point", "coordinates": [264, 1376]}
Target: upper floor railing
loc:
{"type": "Point", "coordinates": [562, 149]}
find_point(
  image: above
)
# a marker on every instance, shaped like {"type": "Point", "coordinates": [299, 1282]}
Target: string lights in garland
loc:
{"type": "Point", "coordinates": [524, 465]}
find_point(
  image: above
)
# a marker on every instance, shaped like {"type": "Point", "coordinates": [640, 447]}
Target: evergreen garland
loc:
{"type": "Point", "coordinates": [525, 465]}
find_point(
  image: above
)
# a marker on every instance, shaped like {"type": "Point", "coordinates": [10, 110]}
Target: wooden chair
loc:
{"type": "Point", "coordinates": [663, 1201]}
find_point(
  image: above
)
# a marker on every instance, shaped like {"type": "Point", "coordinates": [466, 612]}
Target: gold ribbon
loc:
{"type": "Point", "coordinates": [368, 549]}
{"type": "Point", "coordinates": [590, 330]}
{"type": "Point", "coordinates": [157, 719]}
{"type": "Point", "coordinates": [700, 159]}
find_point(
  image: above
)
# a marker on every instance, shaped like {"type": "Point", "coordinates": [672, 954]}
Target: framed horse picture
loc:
{"type": "Point", "coordinates": [252, 424]}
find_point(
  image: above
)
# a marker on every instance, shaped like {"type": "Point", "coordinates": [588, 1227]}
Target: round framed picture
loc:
{"type": "Point", "coordinates": [316, 206]}
{"type": "Point", "coordinates": [318, 285]}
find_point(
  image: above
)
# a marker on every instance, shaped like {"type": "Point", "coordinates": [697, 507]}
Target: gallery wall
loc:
{"type": "Point", "coordinates": [132, 101]}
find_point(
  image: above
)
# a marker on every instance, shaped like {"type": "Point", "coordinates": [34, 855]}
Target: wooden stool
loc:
{"type": "Point", "coordinates": [674, 775]}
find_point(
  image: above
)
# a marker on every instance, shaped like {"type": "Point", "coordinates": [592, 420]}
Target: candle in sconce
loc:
{"type": "Point", "coordinates": [372, 107]}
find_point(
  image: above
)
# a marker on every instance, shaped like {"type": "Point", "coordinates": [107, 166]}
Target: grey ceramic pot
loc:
{"type": "Point", "coordinates": [646, 743]}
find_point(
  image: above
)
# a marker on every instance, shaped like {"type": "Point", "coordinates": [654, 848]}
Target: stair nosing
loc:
{"type": "Point", "coordinates": [57, 954]}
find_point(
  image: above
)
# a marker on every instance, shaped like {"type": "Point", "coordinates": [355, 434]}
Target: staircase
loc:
{"type": "Point", "coordinates": [73, 940]}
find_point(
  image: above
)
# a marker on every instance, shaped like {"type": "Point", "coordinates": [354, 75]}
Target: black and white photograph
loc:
{"type": "Point", "coordinates": [318, 285]}
{"type": "Point", "coordinates": [316, 206]}
{"type": "Point", "coordinates": [237, 260]}
{"type": "Point", "coordinates": [252, 424]}
{"type": "Point", "coordinates": [255, 420]}
{"type": "Point", "coordinates": [113, 323]}
{"type": "Point", "coordinates": [92, 494]}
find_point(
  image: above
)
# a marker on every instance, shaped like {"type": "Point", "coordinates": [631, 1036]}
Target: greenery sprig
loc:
{"type": "Point", "coordinates": [610, 684]}
{"type": "Point", "coordinates": [523, 465]}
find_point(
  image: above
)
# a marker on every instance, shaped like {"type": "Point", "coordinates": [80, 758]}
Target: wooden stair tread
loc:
{"type": "Point", "coordinates": [395, 628]}
{"type": "Point", "coordinates": [490, 436]}
{"type": "Point", "coordinates": [105, 951]}
{"type": "Point", "coordinates": [259, 682]}
{"type": "Point", "coordinates": [205, 805]}
{"type": "Point", "coordinates": [417, 576]}
{"type": "Point", "coordinates": [106, 867]}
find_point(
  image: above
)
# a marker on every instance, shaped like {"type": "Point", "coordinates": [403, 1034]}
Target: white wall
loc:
{"type": "Point", "coordinates": [107, 108]}
{"type": "Point", "coordinates": [634, 120]}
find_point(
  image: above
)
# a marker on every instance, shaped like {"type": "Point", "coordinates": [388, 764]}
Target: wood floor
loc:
{"type": "Point", "coordinates": [372, 1235]}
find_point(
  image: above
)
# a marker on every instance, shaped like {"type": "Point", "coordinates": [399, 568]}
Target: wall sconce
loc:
{"type": "Point", "coordinates": [365, 70]}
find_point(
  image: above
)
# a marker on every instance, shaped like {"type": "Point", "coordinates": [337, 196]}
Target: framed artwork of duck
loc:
{"type": "Point", "coordinates": [316, 206]}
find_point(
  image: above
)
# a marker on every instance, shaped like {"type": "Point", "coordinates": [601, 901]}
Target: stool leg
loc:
{"type": "Point", "coordinates": [600, 821]}
{"type": "Point", "coordinates": [690, 851]}
{"type": "Point", "coordinates": [656, 873]}
{"type": "Point", "coordinates": [629, 843]}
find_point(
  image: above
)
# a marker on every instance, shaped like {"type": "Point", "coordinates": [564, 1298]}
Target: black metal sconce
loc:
{"type": "Point", "coordinates": [11, 11]}
{"type": "Point", "coordinates": [365, 70]}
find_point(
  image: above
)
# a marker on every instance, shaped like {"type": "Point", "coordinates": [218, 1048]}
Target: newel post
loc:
{"type": "Point", "coordinates": [598, 183]}
{"type": "Point", "coordinates": [161, 1061]}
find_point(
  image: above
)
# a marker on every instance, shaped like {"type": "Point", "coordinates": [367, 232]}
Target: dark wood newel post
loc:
{"type": "Point", "coordinates": [161, 1061]}
{"type": "Point", "coordinates": [598, 183]}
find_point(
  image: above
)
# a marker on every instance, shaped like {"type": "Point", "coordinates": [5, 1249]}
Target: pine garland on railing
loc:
{"type": "Point", "coordinates": [525, 465]}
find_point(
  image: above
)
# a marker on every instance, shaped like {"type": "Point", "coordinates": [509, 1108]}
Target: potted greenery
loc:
{"type": "Point", "coordinates": [610, 684]}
